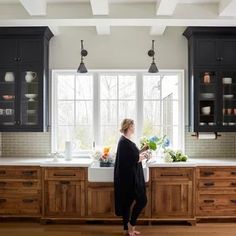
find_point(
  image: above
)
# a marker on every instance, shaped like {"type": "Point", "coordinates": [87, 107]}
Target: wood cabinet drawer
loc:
{"type": "Point", "coordinates": [172, 173]}
{"type": "Point", "coordinates": [20, 205]}
{"type": "Point", "coordinates": [216, 204]}
{"type": "Point", "coordinates": [19, 184]}
{"type": "Point", "coordinates": [208, 184]}
{"type": "Point", "coordinates": [20, 173]}
{"type": "Point", "coordinates": [216, 173]}
{"type": "Point", "coordinates": [65, 173]}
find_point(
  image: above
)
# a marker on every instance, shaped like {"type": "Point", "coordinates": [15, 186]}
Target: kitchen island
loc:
{"type": "Point", "coordinates": [51, 190]}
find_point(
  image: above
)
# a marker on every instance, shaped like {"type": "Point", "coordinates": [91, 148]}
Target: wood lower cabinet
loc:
{"type": "Point", "coordinates": [64, 198]}
{"type": "Point", "coordinates": [100, 200]}
{"type": "Point", "coordinates": [64, 192]}
{"type": "Point", "coordinates": [172, 193]}
{"type": "Point", "coordinates": [20, 191]}
{"type": "Point", "coordinates": [216, 192]}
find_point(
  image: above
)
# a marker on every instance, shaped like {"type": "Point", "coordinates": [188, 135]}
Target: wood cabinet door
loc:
{"type": "Point", "coordinates": [100, 201]}
{"type": "Point", "coordinates": [64, 198]}
{"type": "Point", "coordinates": [206, 52]}
{"type": "Point", "coordinates": [172, 199]}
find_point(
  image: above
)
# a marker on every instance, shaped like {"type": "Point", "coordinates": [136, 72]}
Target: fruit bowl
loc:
{"type": "Point", "coordinates": [8, 97]}
{"type": "Point", "coordinates": [31, 96]}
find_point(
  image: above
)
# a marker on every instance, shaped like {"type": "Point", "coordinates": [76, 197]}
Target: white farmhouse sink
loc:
{"type": "Point", "coordinates": [105, 174]}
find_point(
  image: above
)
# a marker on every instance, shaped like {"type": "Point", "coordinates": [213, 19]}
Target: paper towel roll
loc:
{"type": "Point", "coordinates": [207, 136]}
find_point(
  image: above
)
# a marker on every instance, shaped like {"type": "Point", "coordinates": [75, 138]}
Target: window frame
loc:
{"type": "Point", "coordinates": [96, 104]}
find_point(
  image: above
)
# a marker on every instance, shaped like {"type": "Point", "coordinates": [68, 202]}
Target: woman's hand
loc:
{"type": "Point", "coordinates": [142, 156]}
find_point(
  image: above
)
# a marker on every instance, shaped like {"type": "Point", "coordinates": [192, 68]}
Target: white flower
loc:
{"type": "Point", "coordinates": [97, 155]}
{"type": "Point", "coordinates": [168, 157]}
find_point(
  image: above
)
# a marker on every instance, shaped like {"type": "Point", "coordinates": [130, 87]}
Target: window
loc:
{"type": "Point", "coordinates": [88, 108]}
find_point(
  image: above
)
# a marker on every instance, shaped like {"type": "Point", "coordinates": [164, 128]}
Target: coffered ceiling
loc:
{"type": "Point", "coordinates": [106, 14]}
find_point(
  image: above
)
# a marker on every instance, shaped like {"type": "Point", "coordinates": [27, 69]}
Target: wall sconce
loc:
{"type": "Point", "coordinates": [83, 53]}
{"type": "Point", "coordinates": [153, 68]}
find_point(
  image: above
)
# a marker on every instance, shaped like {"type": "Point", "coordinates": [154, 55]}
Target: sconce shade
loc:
{"type": "Point", "coordinates": [82, 68]}
{"type": "Point", "coordinates": [153, 68]}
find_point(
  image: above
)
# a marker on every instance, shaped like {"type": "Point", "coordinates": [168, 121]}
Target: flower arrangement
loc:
{"type": "Point", "coordinates": [154, 142]}
{"type": "Point", "coordinates": [174, 156]}
{"type": "Point", "coordinates": [105, 157]}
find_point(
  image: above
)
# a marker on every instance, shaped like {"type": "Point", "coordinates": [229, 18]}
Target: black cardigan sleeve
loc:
{"type": "Point", "coordinates": [128, 154]}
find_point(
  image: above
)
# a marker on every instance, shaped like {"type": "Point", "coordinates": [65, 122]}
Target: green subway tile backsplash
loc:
{"type": "Point", "coordinates": [39, 144]}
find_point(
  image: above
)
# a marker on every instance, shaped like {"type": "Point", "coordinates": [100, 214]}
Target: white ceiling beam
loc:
{"type": "Point", "coordinates": [227, 8]}
{"type": "Point", "coordinates": [35, 7]}
{"type": "Point", "coordinates": [166, 7]}
{"type": "Point", "coordinates": [157, 30]}
{"type": "Point", "coordinates": [100, 7]}
{"type": "Point", "coordinates": [103, 29]}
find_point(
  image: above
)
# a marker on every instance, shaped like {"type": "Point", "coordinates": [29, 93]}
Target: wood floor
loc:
{"type": "Point", "coordinates": [36, 229]}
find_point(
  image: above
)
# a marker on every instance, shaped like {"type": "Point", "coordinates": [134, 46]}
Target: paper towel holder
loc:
{"type": "Point", "coordinates": [197, 135]}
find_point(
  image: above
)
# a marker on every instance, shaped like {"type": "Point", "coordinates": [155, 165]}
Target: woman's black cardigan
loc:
{"type": "Point", "coordinates": [129, 180]}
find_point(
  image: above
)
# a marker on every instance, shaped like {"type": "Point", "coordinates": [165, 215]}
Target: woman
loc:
{"type": "Point", "coordinates": [129, 180]}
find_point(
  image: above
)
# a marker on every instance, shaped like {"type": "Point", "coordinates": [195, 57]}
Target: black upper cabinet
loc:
{"type": "Point", "coordinates": [8, 49]}
{"type": "Point", "coordinates": [24, 78]}
{"type": "Point", "coordinates": [227, 56]}
{"type": "Point", "coordinates": [212, 78]}
{"type": "Point", "coordinates": [30, 51]}
{"type": "Point", "coordinates": [215, 52]}
{"type": "Point", "coordinates": [206, 52]}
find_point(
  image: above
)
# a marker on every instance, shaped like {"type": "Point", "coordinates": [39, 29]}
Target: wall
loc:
{"type": "Point", "coordinates": [125, 48]}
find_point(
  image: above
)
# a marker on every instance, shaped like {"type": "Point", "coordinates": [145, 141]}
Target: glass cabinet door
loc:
{"type": "Point", "coordinates": [7, 97]}
{"type": "Point", "coordinates": [207, 99]}
{"type": "Point", "coordinates": [228, 85]}
{"type": "Point", "coordinates": [30, 96]}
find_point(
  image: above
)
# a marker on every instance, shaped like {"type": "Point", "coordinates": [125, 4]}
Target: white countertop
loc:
{"type": "Point", "coordinates": [193, 162]}
{"type": "Point", "coordinates": [86, 162]}
{"type": "Point", "coordinates": [46, 162]}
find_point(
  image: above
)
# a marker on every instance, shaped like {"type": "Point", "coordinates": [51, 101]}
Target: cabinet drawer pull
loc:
{"type": "Point", "coordinates": [208, 173]}
{"type": "Point", "coordinates": [28, 200]}
{"type": "Point", "coordinates": [233, 184]}
{"type": "Point", "coordinates": [209, 184]}
{"type": "Point", "coordinates": [64, 182]}
{"type": "Point", "coordinates": [2, 200]}
{"type": "Point", "coordinates": [233, 172]}
{"type": "Point", "coordinates": [2, 172]}
{"type": "Point", "coordinates": [209, 201]}
{"type": "Point", "coordinates": [64, 175]}
{"type": "Point", "coordinates": [28, 173]}
{"type": "Point", "coordinates": [233, 200]}
{"type": "Point", "coordinates": [2, 184]}
{"type": "Point", "coordinates": [174, 175]}
{"type": "Point", "coordinates": [27, 184]}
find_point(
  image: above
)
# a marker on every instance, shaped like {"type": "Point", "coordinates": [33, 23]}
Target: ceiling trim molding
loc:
{"type": "Point", "coordinates": [103, 24]}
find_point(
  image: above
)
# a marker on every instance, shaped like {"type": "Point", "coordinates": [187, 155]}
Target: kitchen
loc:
{"type": "Point", "coordinates": [117, 37]}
